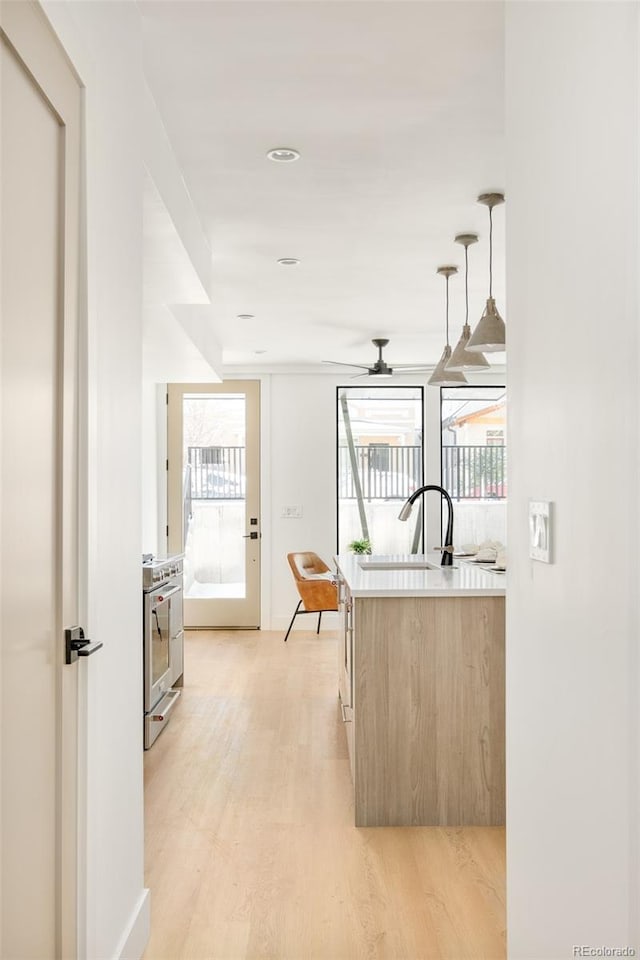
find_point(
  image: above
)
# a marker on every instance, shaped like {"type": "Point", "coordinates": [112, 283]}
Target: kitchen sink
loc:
{"type": "Point", "coordinates": [375, 563]}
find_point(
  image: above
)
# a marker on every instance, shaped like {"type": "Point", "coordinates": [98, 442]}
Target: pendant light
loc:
{"type": "Point", "coordinates": [462, 359]}
{"type": "Point", "coordinates": [440, 376]}
{"type": "Point", "coordinates": [489, 335]}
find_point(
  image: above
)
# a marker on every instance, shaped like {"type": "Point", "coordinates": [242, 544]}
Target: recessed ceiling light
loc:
{"type": "Point", "coordinates": [283, 154]}
{"type": "Point", "coordinates": [245, 316]}
{"type": "Point", "coordinates": [289, 261]}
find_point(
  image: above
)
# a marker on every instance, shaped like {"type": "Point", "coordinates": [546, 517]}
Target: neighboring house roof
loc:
{"type": "Point", "coordinates": [460, 420]}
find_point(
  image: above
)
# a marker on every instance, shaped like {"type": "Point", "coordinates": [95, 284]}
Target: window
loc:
{"type": "Point", "coordinates": [379, 464]}
{"type": "Point", "coordinates": [474, 460]}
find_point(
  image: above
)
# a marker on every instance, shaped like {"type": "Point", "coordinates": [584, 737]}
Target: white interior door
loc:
{"type": "Point", "coordinates": [214, 500]}
{"type": "Point", "coordinates": [40, 192]}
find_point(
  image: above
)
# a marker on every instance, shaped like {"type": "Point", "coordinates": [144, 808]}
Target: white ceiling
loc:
{"type": "Point", "coordinates": [397, 110]}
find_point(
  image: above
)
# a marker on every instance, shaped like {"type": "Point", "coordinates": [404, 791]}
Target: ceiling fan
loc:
{"type": "Point", "coordinates": [380, 368]}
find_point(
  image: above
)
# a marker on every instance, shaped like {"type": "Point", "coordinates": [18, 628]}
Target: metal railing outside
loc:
{"type": "Point", "coordinates": [475, 472]}
{"type": "Point", "coordinates": [386, 472]}
{"type": "Point", "coordinates": [217, 473]}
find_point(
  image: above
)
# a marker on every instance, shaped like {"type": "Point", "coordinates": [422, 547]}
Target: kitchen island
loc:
{"type": "Point", "coordinates": [421, 686]}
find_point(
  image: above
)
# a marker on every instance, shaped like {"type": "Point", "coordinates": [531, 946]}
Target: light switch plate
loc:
{"type": "Point", "coordinates": [540, 515]}
{"type": "Point", "coordinates": [293, 512]}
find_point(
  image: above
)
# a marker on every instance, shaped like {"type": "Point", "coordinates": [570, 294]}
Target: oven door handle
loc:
{"type": "Point", "coordinates": [166, 705]}
{"type": "Point", "coordinates": [166, 596]}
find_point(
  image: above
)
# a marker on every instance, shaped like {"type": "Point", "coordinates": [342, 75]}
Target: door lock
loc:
{"type": "Point", "coordinates": [76, 645]}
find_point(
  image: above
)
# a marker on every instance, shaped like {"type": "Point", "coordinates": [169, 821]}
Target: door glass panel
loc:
{"type": "Point", "coordinates": [380, 464]}
{"type": "Point", "coordinates": [214, 461]}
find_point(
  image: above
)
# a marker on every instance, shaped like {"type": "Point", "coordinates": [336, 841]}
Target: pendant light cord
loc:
{"type": "Point", "coordinates": [466, 284]}
{"type": "Point", "coordinates": [447, 310]}
{"type": "Point", "coordinates": [490, 252]}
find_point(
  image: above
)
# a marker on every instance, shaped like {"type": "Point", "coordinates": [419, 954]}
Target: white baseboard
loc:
{"type": "Point", "coordinates": [135, 938]}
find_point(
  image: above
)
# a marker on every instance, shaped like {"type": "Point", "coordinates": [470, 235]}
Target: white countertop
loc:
{"type": "Point", "coordinates": [464, 579]}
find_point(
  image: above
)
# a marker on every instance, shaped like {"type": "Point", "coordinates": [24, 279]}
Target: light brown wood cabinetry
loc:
{"type": "Point", "coordinates": [421, 683]}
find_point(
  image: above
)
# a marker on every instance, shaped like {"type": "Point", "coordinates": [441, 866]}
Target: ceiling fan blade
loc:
{"type": "Point", "coordinates": [338, 363]}
{"type": "Point", "coordinates": [380, 368]}
{"type": "Point", "coordinates": [411, 367]}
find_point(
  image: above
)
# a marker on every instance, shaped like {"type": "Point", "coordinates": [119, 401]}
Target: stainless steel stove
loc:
{"type": "Point", "coordinates": [162, 640]}
{"type": "Point", "coordinates": [156, 570]}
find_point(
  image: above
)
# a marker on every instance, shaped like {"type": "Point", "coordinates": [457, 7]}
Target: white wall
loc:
{"type": "Point", "coordinates": [572, 627]}
{"type": "Point", "coordinates": [102, 40]}
{"type": "Point", "coordinates": [168, 354]}
{"type": "Point", "coordinates": [303, 472]}
{"type": "Point", "coordinates": [154, 454]}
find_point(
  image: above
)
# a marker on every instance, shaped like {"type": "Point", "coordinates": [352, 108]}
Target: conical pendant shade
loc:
{"type": "Point", "coordinates": [442, 376]}
{"type": "Point", "coordinates": [462, 359]}
{"type": "Point", "coordinates": [489, 335]}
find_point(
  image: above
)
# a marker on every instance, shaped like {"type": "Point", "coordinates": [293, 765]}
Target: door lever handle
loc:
{"type": "Point", "coordinates": [76, 644]}
{"type": "Point", "coordinates": [250, 536]}
{"type": "Point", "coordinates": [89, 647]}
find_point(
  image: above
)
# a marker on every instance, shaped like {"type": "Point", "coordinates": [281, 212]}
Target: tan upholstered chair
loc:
{"type": "Point", "coordinates": [316, 585]}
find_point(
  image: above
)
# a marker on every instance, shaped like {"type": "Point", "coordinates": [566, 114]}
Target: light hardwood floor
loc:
{"type": "Point", "coordinates": [250, 845]}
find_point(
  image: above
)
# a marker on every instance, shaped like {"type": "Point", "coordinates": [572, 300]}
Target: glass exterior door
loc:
{"type": "Point", "coordinates": [214, 516]}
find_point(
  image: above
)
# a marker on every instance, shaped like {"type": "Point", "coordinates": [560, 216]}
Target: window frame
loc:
{"type": "Point", "coordinates": [462, 386]}
{"type": "Point", "coordinates": [423, 460]}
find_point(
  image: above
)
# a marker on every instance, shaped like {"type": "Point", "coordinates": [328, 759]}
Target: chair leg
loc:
{"type": "Point", "coordinates": [292, 619]}
{"type": "Point", "coordinates": [319, 619]}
